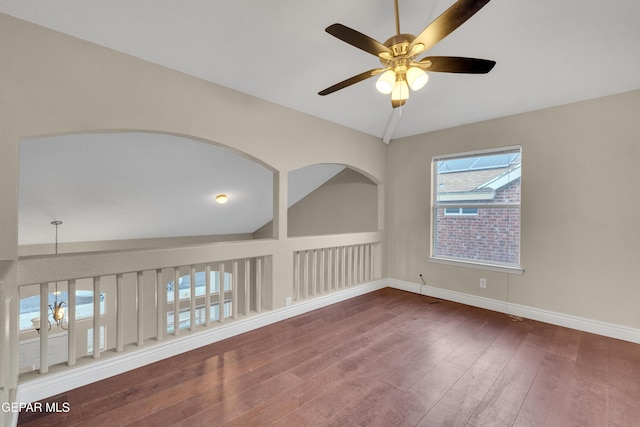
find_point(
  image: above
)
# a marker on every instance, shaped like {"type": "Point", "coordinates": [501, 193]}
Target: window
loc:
{"type": "Point", "coordinates": [184, 293]}
{"type": "Point", "coordinates": [200, 317]}
{"type": "Point", "coordinates": [461, 211]}
{"type": "Point", "coordinates": [90, 340]}
{"type": "Point", "coordinates": [476, 208]}
{"type": "Point", "coordinates": [184, 285]}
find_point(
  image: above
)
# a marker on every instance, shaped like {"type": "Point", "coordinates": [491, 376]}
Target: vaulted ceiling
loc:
{"type": "Point", "coordinates": [548, 52]}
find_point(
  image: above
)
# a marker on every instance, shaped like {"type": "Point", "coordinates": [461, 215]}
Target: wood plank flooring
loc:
{"type": "Point", "coordinates": [389, 358]}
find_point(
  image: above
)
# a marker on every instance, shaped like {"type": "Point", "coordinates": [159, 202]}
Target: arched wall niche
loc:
{"type": "Point", "coordinates": [342, 200]}
{"type": "Point", "coordinates": [137, 189]}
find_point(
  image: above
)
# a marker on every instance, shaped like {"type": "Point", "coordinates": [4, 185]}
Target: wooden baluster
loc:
{"type": "Point", "coordinates": [44, 328]}
{"type": "Point", "coordinates": [207, 295]}
{"type": "Point", "coordinates": [221, 293]}
{"type": "Point", "coordinates": [140, 307]}
{"type": "Point", "coordinates": [176, 301]}
{"type": "Point", "coordinates": [71, 323]}
{"type": "Point", "coordinates": [161, 290]}
{"type": "Point", "coordinates": [314, 272]}
{"type": "Point", "coordinates": [336, 268]}
{"type": "Point", "coordinates": [296, 275]}
{"type": "Point", "coordinates": [367, 262]}
{"type": "Point", "coordinates": [96, 317]}
{"type": "Point", "coordinates": [234, 289]}
{"type": "Point", "coordinates": [305, 275]}
{"type": "Point", "coordinates": [192, 294]}
{"type": "Point", "coordinates": [119, 313]}
{"type": "Point", "coordinates": [259, 273]}
{"type": "Point", "coordinates": [247, 287]}
{"type": "Point", "coordinates": [321, 272]}
{"type": "Point", "coordinates": [343, 267]}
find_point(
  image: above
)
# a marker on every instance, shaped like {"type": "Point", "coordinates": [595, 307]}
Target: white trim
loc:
{"type": "Point", "coordinates": [611, 330]}
{"type": "Point", "coordinates": [110, 363]}
{"type": "Point", "coordinates": [498, 150]}
{"type": "Point", "coordinates": [394, 118]}
{"type": "Point", "coordinates": [478, 265]}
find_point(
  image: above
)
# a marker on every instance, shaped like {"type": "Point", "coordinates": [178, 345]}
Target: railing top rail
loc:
{"type": "Point", "coordinates": [50, 268]}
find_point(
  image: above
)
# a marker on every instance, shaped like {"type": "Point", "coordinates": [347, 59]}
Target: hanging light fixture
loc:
{"type": "Point", "coordinates": [399, 78]}
{"type": "Point", "coordinates": [386, 81]}
{"type": "Point", "coordinates": [57, 311]}
{"type": "Point", "coordinates": [417, 78]}
{"type": "Point", "coordinates": [400, 92]}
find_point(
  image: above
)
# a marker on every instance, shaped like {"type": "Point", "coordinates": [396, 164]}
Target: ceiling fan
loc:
{"type": "Point", "coordinates": [401, 69]}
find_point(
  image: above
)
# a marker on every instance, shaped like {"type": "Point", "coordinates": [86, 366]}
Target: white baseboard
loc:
{"type": "Point", "coordinates": [87, 371]}
{"type": "Point", "coordinates": [580, 323]}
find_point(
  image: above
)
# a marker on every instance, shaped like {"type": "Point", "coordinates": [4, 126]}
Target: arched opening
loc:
{"type": "Point", "coordinates": [134, 190]}
{"type": "Point", "coordinates": [343, 200]}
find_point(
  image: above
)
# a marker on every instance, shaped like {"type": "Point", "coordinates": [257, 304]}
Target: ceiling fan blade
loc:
{"type": "Point", "coordinates": [357, 39]}
{"type": "Point", "coordinates": [446, 23]}
{"type": "Point", "coordinates": [456, 64]}
{"type": "Point", "coordinates": [352, 80]}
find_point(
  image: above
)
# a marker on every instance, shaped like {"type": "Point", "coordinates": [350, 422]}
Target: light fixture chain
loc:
{"type": "Point", "coordinates": [56, 223]}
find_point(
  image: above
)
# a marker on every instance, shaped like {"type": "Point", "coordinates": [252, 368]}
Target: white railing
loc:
{"type": "Point", "coordinates": [120, 301]}
{"type": "Point", "coordinates": [135, 307]}
{"type": "Point", "coordinates": [325, 270]}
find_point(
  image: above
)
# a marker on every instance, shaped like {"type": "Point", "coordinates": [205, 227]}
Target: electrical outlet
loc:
{"type": "Point", "coordinates": [287, 302]}
{"type": "Point", "coordinates": [483, 283]}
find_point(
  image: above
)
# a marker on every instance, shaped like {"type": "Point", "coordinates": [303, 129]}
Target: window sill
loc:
{"type": "Point", "coordinates": [478, 265]}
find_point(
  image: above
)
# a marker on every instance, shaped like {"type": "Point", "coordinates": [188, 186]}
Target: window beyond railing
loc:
{"type": "Point", "coordinates": [146, 302]}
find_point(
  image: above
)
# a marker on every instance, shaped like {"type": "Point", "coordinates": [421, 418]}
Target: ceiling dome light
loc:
{"type": "Point", "coordinates": [222, 198]}
{"type": "Point", "coordinates": [386, 81]}
{"type": "Point", "coordinates": [417, 78]}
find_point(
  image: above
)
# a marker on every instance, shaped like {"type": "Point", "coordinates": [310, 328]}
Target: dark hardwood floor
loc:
{"type": "Point", "coordinates": [388, 358]}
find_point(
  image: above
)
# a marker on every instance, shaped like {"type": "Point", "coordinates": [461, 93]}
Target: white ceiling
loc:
{"type": "Point", "coordinates": [548, 52]}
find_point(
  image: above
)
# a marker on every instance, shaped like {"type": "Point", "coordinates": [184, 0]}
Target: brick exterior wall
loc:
{"type": "Point", "coordinates": [493, 235]}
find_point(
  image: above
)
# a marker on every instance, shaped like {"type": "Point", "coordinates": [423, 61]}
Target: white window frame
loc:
{"type": "Point", "coordinates": [479, 264]}
{"type": "Point", "coordinates": [460, 212]}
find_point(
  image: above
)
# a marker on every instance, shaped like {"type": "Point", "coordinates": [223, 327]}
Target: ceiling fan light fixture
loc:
{"type": "Point", "coordinates": [400, 91]}
{"type": "Point", "coordinates": [386, 82]}
{"type": "Point", "coordinates": [417, 78]}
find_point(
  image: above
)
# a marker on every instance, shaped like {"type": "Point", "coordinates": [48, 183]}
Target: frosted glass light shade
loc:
{"type": "Point", "coordinates": [417, 78]}
{"type": "Point", "coordinates": [386, 81]}
{"type": "Point", "coordinates": [400, 91]}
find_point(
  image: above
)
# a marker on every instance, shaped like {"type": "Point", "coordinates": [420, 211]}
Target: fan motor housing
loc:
{"type": "Point", "coordinates": [399, 44]}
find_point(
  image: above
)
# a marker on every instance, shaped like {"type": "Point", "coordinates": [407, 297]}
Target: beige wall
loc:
{"type": "Point", "coordinates": [346, 203]}
{"type": "Point", "coordinates": [580, 203]}
{"type": "Point", "coordinates": [54, 84]}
